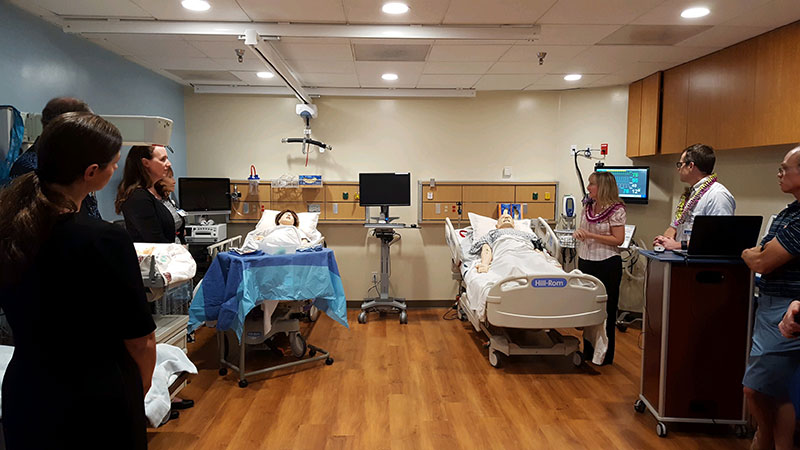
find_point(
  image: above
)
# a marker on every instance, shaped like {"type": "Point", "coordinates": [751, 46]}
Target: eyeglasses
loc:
{"type": "Point", "coordinates": [783, 170]}
{"type": "Point", "coordinates": [680, 164]}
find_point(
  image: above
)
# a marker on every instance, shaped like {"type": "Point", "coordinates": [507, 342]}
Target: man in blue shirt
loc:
{"type": "Point", "coordinates": [773, 358]}
{"type": "Point", "coordinates": [29, 161]}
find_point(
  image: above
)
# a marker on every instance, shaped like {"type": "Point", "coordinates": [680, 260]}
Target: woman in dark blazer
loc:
{"type": "Point", "coordinates": [146, 217]}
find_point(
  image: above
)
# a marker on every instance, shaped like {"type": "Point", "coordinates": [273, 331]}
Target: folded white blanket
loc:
{"type": "Point", "coordinates": [170, 362]}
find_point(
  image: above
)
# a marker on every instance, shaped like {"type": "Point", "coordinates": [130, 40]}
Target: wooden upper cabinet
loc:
{"type": "Point", "coordinates": [634, 118]}
{"type": "Point", "coordinates": [736, 97]}
{"type": "Point", "coordinates": [673, 109]}
{"type": "Point", "coordinates": [650, 116]}
{"type": "Point", "coordinates": [777, 105]}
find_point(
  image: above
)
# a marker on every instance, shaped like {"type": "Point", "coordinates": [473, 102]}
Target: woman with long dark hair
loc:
{"type": "Point", "coordinates": [74, 381]}
{"type": "Point", "coordinates": [146, 217]}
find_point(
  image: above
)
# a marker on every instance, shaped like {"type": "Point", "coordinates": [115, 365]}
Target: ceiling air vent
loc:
{"type": "Point", "coordinates": [652, 34]}
{"type": "Point", "coordinates": [204, 75]}
{"type": "Point", "coordinates": [386, 52]}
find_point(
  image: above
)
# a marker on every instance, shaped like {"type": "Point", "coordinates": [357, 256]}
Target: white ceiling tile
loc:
{"type": "Point", "coordinates": [151, 45]}
{"type": "Point", "coordinates": [639, 70]}
{"type": "Point", "coordinates": [447, 81]}
{"type": "Point", "coordinates": [553, 34]}
{"type": "Point", "coordinates": [329, 80]}
{"type": "Point", "coordinates": [456, 68]}
{"type": "Point", "coordinates": [314, 40]}
{"type": "Point", "coordinates": [506, 82]}
{"type": "Point", "coordinates": [467, 52]}
{"type": "Point", "coordinates": [155, 68]}
{"type": "Point", "coordinates": [613, 80]}
{"type": "Point", "coordinates": [318, 11]}
{"type": "Point", "coordinates": [305, 66]}
{"type": "Point", "coordinates": [218, 49]}
{"type": "Point", "coordinates": [94, 8]}
{"type": "Point", "coordinates": [103, 42]}
{"type": "Point", "coordinates": [669, 12]}
{"type": "Point", "coordinates": [317, 52]}
{"type": "Point", "coordinates": [173, 63]}
{"type": "Point", "coordinates": [252, 79]}
{"type": "Point", "coordinates": [426, 12]}
{"type": "Point", "coordinates": [496, 11]}
{"type": "Point", "coordinates": [442, 42]}
{"type": "Point", "coordinates": [772, 15]}
{"type": "Point", "coordinates": [249, 63]}
{"type": "Point", "coordinates": [722, 36]}
{"type": "Point", "coordinates": [609, 58]}
{"type": "Point", "coordinates": [369, 73]}
{"type": "Point", "coordinates": [557, 81]}
{"type": "Point", "coordinates": [221, 10]}
{"type": "Point", "coordinates": [555, 53]}
{"type": "Point", "coordinates": [582, 12]}
{"type": "Point", "coordinates": [523, 67]}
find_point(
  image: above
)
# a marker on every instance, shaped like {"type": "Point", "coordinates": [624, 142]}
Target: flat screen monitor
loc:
{"type": "Point", "coordinates": [205, 195]}
{"type": "Point", "coordinates": [633, 182]}
{"type": "Point", "coordinates": [384, 189]}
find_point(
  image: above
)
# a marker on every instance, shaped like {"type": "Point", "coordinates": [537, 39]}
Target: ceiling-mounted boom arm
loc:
{"type": "Point", "coordinates": [273, 61]}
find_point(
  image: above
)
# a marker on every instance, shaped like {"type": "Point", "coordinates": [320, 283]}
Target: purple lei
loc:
{"type": "Point", "coordinates": [588, 212]}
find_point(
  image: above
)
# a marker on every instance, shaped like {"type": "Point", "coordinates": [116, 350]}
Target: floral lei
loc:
{"type": "Point", "coordinates": [588, 211]}
{"type": "Point", "coordinates": [688, 204]}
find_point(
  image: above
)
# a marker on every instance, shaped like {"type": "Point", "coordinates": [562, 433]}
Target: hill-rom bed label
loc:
{"type": "Point", "coordinates": [549, 282]}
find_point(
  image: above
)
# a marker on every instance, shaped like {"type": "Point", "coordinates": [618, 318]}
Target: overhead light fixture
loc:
{"type": "Point", "coordinates": [389, 76]}
{"type": "Point", "coordinates": [196, 5]}
{"type": "Point", "coordinates": [694, 13]}
{"type": "Point", "coordinates": [265, 74]}
{"type": "Point", "coordinates": [395, 8]}
{"type": "Point", "coordinates": [573, 77]}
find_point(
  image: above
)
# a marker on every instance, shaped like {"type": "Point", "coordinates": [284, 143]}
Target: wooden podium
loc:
{"type": "Point", "coordinates": [697, 330]}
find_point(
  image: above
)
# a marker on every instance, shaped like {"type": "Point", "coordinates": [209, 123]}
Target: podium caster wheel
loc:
{"type": "Point", "coordinates": [494, 359]}
{"type": "Point", "coordinates": [403, 317]}
{"type": "Point", "coordinates": [243, 383]}
{"type": "Point", "coordinates": [223, 371]}
{"type": "Point", "coordinates": [362, 317]}
{"type": "Point", "coordinates": [328, 361]}
{"type": "Point", "coordinates": [639, 406]}
{"type": "Point", "coordinates": [661, 429]}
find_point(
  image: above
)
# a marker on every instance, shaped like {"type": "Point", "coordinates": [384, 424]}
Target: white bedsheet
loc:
{"type": "Point", "coordinates": [173, 261]}
{"type": "Point", "coordinates": [512, 256]}
{"type": "Point", "coordinates": [170, 362]}
{"type": "Point", "coordinates": [282, 236]}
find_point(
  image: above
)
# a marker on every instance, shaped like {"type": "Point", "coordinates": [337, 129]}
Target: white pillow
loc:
{"type": "Point", "coordinates": [308, 223]}
{"type": "Point", "coordinates": [482, 225]}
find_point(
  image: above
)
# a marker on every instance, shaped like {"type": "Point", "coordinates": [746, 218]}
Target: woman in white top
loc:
{"type": "Point", "coordinates": [601, 231]}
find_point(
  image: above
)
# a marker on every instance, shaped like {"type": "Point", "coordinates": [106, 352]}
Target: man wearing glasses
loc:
{"type": "Point", "coordinates": [705, 196]}
{"type": "Point", "coordinates": [774, 358]}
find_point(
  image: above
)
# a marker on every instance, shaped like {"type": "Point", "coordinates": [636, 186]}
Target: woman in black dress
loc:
{"type": "Point", "coordinates": [57, 269]}
{"type": "Point", "coordinates": [146, 217]}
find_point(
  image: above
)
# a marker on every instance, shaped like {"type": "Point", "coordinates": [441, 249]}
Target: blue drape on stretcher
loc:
{"type": "Point", "coordinates": [235, 284]}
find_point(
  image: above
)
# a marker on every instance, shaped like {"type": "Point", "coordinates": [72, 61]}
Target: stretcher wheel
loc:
{"type": "Point", "coordinates": [362, 317]}
{"type": "Point", "coordinates": [639, 406]}
{"type": "Point", "coordinates": [494, 359]}
{"type": "Point", "coordinates": [403, 317]}
{"type": "Point", "coordinates": [661, 429]}
{"type": "Point", "coordinates": [313, 313]}
{"type": "Point", "coordinates": [328, 361]}
{"type": "Point", "coordinates": [741, 431]}
{"type": "Point", "coordinates": [223, 371]}
{"type": "Point", "coordinates": [577, 359]}
{"type": "Point", "coordinates": [242, 384]}
{"type": "Point", "coordinates": [298, 344]}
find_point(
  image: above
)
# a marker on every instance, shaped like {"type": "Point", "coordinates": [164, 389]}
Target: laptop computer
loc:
{"type": "Point", "coordinates": [722, 236]}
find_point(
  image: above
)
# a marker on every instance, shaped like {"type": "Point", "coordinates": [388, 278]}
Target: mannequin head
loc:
{"type": "Point", "coordinates": [287, 217]}
{"type": "Point", "coordinates": [505, 221]}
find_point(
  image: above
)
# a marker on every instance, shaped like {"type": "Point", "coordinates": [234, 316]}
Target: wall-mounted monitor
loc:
{"type": "Point", "coordinates": [384, 189]}
{"type": "Point", "coordinates": [633, 182]}
{"type": "Point", "coordinates": [204, 195]}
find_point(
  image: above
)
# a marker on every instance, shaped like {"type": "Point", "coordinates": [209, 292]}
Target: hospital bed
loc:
{"type": "Point", "coordinates": [522, 312]}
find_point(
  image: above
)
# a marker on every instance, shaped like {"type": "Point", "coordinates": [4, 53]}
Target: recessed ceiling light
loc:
{"type": "Point", "coordinates": [196, 5]}
{"type": "Point", "coordinates": [573, 77]}
{"type": "Point", "coordinates": [395, 8]}
{"type": "Point", "coordinates": [389, 76]}
{"type": "Point", "coordinates": [694, 13]}
{"type": "Point", "coordinates": [265, 75]}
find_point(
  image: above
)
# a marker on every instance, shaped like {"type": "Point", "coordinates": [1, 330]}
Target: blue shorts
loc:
{"type": "Point", "coordinates": [771, 374]}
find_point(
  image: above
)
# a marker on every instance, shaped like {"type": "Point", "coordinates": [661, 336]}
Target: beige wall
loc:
{"type": "Point", "coordinates": [446, 139]}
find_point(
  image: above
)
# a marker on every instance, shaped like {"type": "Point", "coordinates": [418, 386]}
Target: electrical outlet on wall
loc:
{"type": "Point", "coordinates": [374, 277]}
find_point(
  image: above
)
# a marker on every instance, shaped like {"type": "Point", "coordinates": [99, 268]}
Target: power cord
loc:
{"type": "Point", "coordinates": [449, 314]}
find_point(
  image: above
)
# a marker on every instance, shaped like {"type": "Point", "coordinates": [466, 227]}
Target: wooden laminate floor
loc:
{"type": "Point", "coordinates": [424, 385]}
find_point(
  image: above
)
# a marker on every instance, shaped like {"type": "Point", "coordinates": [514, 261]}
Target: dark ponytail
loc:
{"type": "Point", "coordinates": [30, 207]}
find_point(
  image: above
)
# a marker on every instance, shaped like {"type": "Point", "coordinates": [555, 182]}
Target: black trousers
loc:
{"type": "Point", "coordinates": [609, 271]}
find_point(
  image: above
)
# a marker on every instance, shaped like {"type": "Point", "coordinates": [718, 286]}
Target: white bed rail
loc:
{"type": "Point", "coordinates": [224, 246]}
{"type": "Point", "coordinates": [549, 238]}
{"type": "Point", "coordinates": [549, 300]}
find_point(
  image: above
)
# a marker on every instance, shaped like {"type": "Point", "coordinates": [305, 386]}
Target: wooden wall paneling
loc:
{"type": "Point", "coordinates": [489, 193]}
{"type": "Point", "coordinates": [675, 100]}
{"type": "Point", "coordinates": [344, 211]}
{"type": "Point", "coordinates": [703, 109]}
{"type": "Point", "coordinates": [437, 211]}
{"type": "Point", "coordinates": [247, 211]}
{"type": "Point", "coordinates": [488, 209]}
{"type": "Point", "coordinates": [650, 115]}
{"type": "Point", "coordinates": [338, 192]}
{"type": "Point", "coordinates": [297, 194]}
{"type": "Point", "coordinates": [535, 193]}
{"type": "Point", "coordinates": [736, 122]}
{"type": "Point", "coordinates": [546, 211]}
{"type": "Point", "coordinates": [777, 105]}
{"type": "Point", "coordinates": [441, 193]}
{"type": "Point", "coordinates": [634, 118]}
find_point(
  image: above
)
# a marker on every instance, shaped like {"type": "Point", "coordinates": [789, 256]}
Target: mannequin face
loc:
{"type": "Point", "coordinates": [286, 219]}
{"type": "Point", "coordinates": [158, 165]}
{"type": "Point", "coordinates": [505, 221]}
